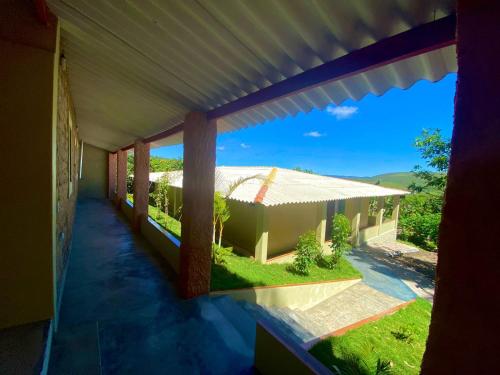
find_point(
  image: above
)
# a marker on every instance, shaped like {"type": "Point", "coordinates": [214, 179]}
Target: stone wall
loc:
{"type": "Point", "coordinates": [67, 172]}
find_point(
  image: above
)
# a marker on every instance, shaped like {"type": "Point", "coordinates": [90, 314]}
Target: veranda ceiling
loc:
{"type": "Point", "coordinates": [137, 67]}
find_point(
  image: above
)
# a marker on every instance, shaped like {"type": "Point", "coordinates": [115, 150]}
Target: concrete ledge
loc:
{"type": "Point", "coordinates": [164, 242]}
{"type": "Point", "coordinates": [127, 209]}
{"type": "Point", "coordinates": [167, 245]}
{"type": "Point", "coordinates": [275, 354]}
{"type": "Point", "coordinates": [295, 296]}
{"type": "Point", "coordinates": [373, 318]}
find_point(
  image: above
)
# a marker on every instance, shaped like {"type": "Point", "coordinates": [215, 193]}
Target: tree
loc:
{"type": "Point", "coordinates": [304, 170]}
{"type": "Point", "coordinates": [221, 214]}
{"type": "Point", "coordinates": [161, 194]}
{"type": "Point", "coordinates": [435, 150]}
{"type": "Point", "coordinates": [341, 231]}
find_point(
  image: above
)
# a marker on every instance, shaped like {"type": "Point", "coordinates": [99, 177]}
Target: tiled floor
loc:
{"type": "Point", "coordinates": [120, 313]}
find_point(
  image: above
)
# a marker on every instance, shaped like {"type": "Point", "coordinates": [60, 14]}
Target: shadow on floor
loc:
{"type": "Point", "coordinates": [120, 313]}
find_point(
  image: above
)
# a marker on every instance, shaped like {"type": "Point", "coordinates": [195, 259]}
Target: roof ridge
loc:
{"type": "Point", "coordinates": [259, 198]}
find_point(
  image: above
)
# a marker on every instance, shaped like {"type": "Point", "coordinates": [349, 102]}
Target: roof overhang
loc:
{"type": "Point", "coordinates": [137, 69]}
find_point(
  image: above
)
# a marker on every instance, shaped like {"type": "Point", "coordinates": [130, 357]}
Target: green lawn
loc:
{"type": "Point", "coordinates": [399, 339]}
{"type": "Point", "coordinates": [167, 222]}
{"type": "Point", "coordinates": [242, 272]}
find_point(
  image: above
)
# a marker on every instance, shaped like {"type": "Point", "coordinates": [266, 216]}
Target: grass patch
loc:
{"type": "Point", "coordinates": [167, 222]}
{"type": "Point", "coordinates": [398, 339]}
{"type": "Point", "coordinates": [244, 272]}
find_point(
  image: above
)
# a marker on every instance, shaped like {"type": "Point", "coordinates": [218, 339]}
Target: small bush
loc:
{"type": "Point", "coordinates": [341, 231]}
{"type": "Point", "coordinates": [421, 229]}
{"type": "Point", "coordinates": [220, 253]}
{"type": "Point", "coordinates": [308, 252]}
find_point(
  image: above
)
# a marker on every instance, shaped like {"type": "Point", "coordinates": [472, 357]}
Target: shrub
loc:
{"type": "Point", "coordinates": [341, 231]}
{"type": "Point", "coordinates": [308, 252]}
{"type": "Point", "coordinates": [421, 229]}
{"type": "Point", "coordinates": [219, 253]}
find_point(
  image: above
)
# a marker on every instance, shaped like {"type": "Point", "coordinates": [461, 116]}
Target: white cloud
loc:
{"type": "Point", "coordinates": [244, 145]}
{"type": "Point", "coordinates": [342, 112]}
{"type": "Point", "coordinates": [221, 148]}
{"type": "Point", "coordinates": [314, 134]}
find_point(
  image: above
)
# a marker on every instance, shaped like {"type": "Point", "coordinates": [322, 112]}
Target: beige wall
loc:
{"type": "Point", "coordinates": [286, 223]}
{"type": "Point", "coordinates": [240, 228]}
{"type": "Point", "coordinates": [28, 118]}
{"type": "Point", "coordinates": [94, 181]}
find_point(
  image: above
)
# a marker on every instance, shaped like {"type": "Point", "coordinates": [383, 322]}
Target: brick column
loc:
{"type": "Point", "coordinates": [463, 336]}
{"type": "Point", "coordinates": [141, 183]}
{"type": "Point", "coordinates": [121, 177]}
{"type": "Point", "coordinates": [112, 159]}
{"type": "Point", "coordinates": [261, 234]}
{"type": "Point", "coordinates": [197, 209]}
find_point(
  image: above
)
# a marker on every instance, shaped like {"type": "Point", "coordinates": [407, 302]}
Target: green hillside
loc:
{"type": "Point", "coordinates": [398, 180]}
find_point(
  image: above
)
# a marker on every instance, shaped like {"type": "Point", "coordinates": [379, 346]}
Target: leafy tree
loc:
{"type": "Point", "coordinates": [221, 214]}
{"type": "Point", "coordinates": [156, 164]}
{"type": "Point", "coordinates": [341, 232]}
{"type": "Point", "coordinates": [304, 170]}
{"type": "Point", "coordinates": [308, 252]}
{"type": "Point", "coordinates": [436, 152]}
{"type": "Point", "coordinates": [160, 194]}
{"type": "Point", "coordinates": [420, 213]}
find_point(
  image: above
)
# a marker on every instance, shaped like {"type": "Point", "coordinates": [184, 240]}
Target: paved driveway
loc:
{"type": "Point", "coordinates": [386, 274]}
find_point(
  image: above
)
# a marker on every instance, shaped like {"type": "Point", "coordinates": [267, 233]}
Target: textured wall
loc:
{"type": "Point", "coordinates": [67, 172]}
{"type": "Point", "coordinates": [94, 181]}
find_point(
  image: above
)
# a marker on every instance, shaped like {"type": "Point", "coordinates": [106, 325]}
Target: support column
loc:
{"type": "Point", "coordinates": [121, 177]}
{"type": "Point", "coordinates": [261, 234]}
{"type": "Point", "coordinates": [463, 336]}
{"type": "Point", "coordinates": [395, 210]}
{"type": "Point", "coordinates": [141, 183]}
{"type": "Point", "coordinates": [112, 159]}
{"type": "Point", "coordinates": [356, 220]}
{"type": "Point", "coordinates": [197, 204]}
{"type": "Point", "coordinates": [380, 214]}
{"type": "Point", "coordinates": [321, 220]}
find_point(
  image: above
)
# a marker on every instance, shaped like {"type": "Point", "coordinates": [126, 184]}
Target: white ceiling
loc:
{"type": "Point", "coordinates": [137, 67]}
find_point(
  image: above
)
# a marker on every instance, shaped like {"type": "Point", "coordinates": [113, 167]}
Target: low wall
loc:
{"type": "Point", "coordinates": [275, 354]}
{"type": "Point", "coordinates": [127, 209]}
{"type": "Point", "coordinates": [162, 241]}
{"type": "Point", "coordinates": [298, 296]}
{"type": "Point", "coordinates": [167, 245]}
{"type": "Point", "coordinates": [387, 232]}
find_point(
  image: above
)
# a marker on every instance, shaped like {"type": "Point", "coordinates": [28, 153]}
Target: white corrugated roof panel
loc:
{"type": "Point", "coordinates": [284, 186]}
{"type": "Point", "coordinates": [137, 67]}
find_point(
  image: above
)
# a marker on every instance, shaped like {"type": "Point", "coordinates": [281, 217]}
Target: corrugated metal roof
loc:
{"type": "Point", "coordinates": [286, 187]}
{"type": "Point", "coordinates": [137, 67]}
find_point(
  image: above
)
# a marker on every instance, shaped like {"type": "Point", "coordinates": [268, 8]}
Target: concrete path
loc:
{"type": "Point", "coordinates": [120, 313]}
{"type": "Point", "coordinates": [380, 276]}
{"type": "Point", "coordinates": [385, 273]}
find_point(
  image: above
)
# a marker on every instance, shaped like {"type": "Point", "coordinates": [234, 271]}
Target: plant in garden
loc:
{"type": "Point", "coordinates": [221, 214]}
{"type": "Point", "coordinates": [220, 253]}
{"type": "Point", "coordinates": [341, 232]}
{"type": "Point", "coordinates": [160, 194]}
{"type": "Point", "coordinates": [308, 252]}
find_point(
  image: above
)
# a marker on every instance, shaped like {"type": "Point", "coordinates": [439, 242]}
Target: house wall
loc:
{"type": "Point", "coordinates": [240, 228]}
{"type": "Point", "coordinates": [286, 223]}
{"type": "Point", "coordinates": [94, 181]}
{"type": "Point", "coordinates": [28, 123]}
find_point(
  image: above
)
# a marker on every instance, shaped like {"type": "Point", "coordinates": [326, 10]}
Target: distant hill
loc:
{"type": "Point", "coordinates": [398, 180]}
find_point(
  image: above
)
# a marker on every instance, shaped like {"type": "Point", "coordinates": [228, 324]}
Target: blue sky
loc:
{"type": "Point", "coordinates": [365, 138]}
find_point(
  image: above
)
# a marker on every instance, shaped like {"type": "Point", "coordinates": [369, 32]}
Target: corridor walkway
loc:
{"type": "Point", "coordinates": [120, 313]}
